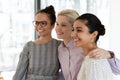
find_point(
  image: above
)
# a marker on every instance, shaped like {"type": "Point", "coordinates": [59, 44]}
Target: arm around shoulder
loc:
{"type": "Point", "coordinates": [114, 63]}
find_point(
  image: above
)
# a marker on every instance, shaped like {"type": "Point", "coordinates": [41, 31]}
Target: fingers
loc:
{"type": "Point", "coordinates": [99, 53]}
{"type": "Point", "coordinates": [94, 53]}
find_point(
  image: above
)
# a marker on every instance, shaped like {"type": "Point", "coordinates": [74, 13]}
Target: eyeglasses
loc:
{"type": "Point", "coordinates": [39, 23]}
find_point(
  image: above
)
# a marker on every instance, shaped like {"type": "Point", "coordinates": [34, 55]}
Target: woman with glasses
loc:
{"type": "Point", "coordinates": [39, 58]}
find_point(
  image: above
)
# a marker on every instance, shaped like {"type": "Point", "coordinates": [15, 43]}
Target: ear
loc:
{"type": "Point", "coordinates": [52, 26]}
{"type": "Point", "coordinates": [94, 35]}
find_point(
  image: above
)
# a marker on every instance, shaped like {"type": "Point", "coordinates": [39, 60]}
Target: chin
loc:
{"type": "Point", "coordinates": [76, 45]}
{"type": "Point", "coordinates": [59, 37]}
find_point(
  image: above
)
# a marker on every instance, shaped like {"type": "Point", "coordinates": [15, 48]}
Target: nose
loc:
{"type": "Point", "coordinates": [58, 28]}
{"type": "Point", "coordinates": [73, 34]}
{"type": "Point", "coordinates": [38, 27]}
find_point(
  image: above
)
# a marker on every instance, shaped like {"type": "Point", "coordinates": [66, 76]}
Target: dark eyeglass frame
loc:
{"type": "Point", "coordinates": [39, 23]}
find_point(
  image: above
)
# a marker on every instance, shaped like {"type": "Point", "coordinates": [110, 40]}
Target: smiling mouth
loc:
{"type": "Point", "coordinates": [76, 40]}
{"type": "Point", "coordinates": [41, 30]}
{"type": "Point", "coordinates": [60, 33]}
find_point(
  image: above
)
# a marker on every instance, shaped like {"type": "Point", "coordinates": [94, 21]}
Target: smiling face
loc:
{"type": "Point", "coordinates": [63, 28]}
{"type": "Point", "coordinates": [81, 34]}
{"type": "Point", "coordinates": [42, 24]}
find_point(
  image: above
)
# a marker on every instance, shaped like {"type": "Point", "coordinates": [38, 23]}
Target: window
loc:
{"type": "Point", "coordinates": [16, 18]}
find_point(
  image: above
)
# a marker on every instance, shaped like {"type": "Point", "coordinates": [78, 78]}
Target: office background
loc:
{"type": "Point", "coordinates": [16, 18]}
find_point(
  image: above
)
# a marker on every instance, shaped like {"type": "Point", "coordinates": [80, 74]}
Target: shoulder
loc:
{"type": "Point", "coordinates": [57, 41]}
{"type": "Point", "coordinates": [25, 49]}
{"type": "Point", "coordinates": [27, 45]}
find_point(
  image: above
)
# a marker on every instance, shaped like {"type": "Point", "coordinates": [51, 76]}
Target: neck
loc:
{"type": "Point", "coordinates": [89, 48]}
{"type": "Point", "coordinates": [66, 41]}
{"type": "Point", "coordinates": [43, 40]}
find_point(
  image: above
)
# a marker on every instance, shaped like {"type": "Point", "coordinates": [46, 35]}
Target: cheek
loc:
{"type": "Point", "coordinates": [57, 29]}
{"type": "Point", "coordinates": [36, 28]}
{"type": "Point", "coordinates": [83, 37]}
{"type": "Point", "coordinates": [80, 36]}
{"type": "Point", "coordinates": [48, 28]}
{"type": "Point", "coordinates": [69, 30]}
{"type": "Point", "coordinates": [68, 33]}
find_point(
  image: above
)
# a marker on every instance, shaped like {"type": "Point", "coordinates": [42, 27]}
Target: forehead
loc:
{"type": "Point", "coordinates": [42, 17]}
{"type": "Point", "coordinates": [78, 23]}
{"type": "Point", "coordinates": [62, 18]}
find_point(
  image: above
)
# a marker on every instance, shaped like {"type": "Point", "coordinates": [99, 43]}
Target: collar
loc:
{"type": "Point", "coordinates": [69, 45]}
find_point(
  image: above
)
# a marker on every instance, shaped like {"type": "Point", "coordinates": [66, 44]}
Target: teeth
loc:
{"type": "Point", "coordinates": [76, 39]}
{"type": "Point", "coordinates": [41, 30]}
{"type": "Point", "coordinates": [59, 33]}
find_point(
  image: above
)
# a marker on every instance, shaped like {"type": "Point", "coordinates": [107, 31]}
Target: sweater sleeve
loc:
{"type": "Point", "coordinates": [21, 69]}
{"type": "Point", "coordinates": [115, 65]}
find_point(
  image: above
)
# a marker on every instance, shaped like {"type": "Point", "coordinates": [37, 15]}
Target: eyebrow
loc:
{"type": "Point", "coordinates": [41, 21]}
{"type": "Point", "coordinates": [78, 27]}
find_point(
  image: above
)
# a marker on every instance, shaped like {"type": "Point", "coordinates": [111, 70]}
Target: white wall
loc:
{"type": "Point", "coordinates": [115, 27]}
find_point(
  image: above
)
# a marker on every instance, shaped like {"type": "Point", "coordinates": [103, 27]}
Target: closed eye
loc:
{"type": "Point", "coordinates": [79, 30]}
{"type": "Point", "coordinates": [63, 25]}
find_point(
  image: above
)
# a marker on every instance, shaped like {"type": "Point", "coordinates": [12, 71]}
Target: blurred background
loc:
{"type": "Point", "coordinates": [16, 27]}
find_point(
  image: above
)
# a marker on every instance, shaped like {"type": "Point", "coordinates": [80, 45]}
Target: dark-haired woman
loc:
{"type": "Point", "coordinates": [86, 31]}
{"type": "Point", "coordinates": [39, 58]}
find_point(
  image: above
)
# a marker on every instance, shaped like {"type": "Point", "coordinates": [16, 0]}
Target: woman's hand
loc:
{"type": "Point", "coordinates": [99, 53]}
